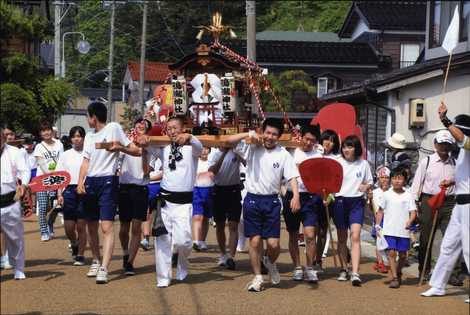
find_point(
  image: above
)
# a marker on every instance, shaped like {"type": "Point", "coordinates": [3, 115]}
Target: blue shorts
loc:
{"type": "Point", "coordinates": [348, 211]}
{"type": "Point", "coordinates": [400, 244]}
{"type": "Point", "coordinates": [308, 213]}
{"type": "Point", "coordinates": [154, 189]}
{"type": "Point", "coordinates": [227, 203]}
{"type": "Point", "coordinates": [73, 204]}
{"type": "Point", "coordinates": [101, 198]}
{"type": "Point", "coordinates": [262, 215]}
{"type": "Point", "coordinates": [203, 201]}
{"type": "Point", "coordinates": [33, 172]}
{"type": "Point", "coordinates": [133, 202]}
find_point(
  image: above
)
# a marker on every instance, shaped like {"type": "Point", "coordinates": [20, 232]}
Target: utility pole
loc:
{"type": "Point", "coordinates": [57, 9]}
{"type": "Point", "coordinates": [110, 65]}
{"type": "Point", "coordinates": [142, 59]}
{"type": "Point", "coordinates": [251, 30]}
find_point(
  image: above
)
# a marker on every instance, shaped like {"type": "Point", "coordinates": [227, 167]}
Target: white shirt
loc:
{"type": "Point", "coordinates": [33, 164]}
{"type": "Point", "coordinates": [48, 155]}
{"type": "Point", "coordinates": [299, 157]}
{"type": "Point", "coordinates": [229, 171]}
{"type": "Point", "coordinates": [132, 171]}
{"type": "Point", "coordinates": [354, 174]}
{"type": "Point", "coordinates": [71, 161]}
{"type": "Point", "coordinates": [182, 178]}
{"type": "Point", "coordinates": [12, 167]}
{"type": "Point", "coordinates": [103, 162]}
{"type": "Point", "coordinates": [377, 197]}
{"type": "Point", "coordinates": [204, 178]}
{"type": "Point", "coordinates": [156, 165]}
{"type": "Point", "coordinates": [462, 173]}
{"type": "Point", "coordinates": [265, 168]}
{"type": "Point", "coordinates": [397, 208]}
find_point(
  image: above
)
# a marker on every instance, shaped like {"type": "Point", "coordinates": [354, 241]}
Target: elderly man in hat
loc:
{"type": "Point", "coordinates": [456, 238]}
{"type": "Point", "coordinates": [434, 172]}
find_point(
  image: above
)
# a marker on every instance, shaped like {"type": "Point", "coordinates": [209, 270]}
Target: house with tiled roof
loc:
{"type": "Point", "coordinates": [393, 28]}
{"type": "Point", "coordinates": [406, 100]}
{"type": "Point", "coordinates": [155, 73]}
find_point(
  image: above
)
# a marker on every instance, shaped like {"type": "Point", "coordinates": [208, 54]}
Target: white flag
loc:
{"type": "Point", "coordinates": [452, 35]}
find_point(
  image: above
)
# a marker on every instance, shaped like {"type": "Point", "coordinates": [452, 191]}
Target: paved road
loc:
{"type": "Point", "coordinates": [54, 286]}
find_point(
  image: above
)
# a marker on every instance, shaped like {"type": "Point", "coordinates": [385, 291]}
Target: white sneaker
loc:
{"type": "Point", "coordinates": [343, 275]}
{"type": "Point", "coordinates": [95, 265]}
{"type": "Point", "coordinates": [355, 279]}
{"type": "Point", "coordinates": [202, 245]}
{"type": "Point", "coordinates": [222, 260]}
{"type": "Point", "coordinates": [102, 275]}
{"type": "Point", "coordinates": [467, 301]}
{"type": "Point", "coordinates": [19, 275]}
{"type": "Point", "coordinates": [273, 272]}
{"type": "Point", "coordinates": [5, 263]}
{"type": "Point", "coordinates": [311, 275]}
{"type": "Point", "coordinates": [45, 238]}
{"type": "Point", "coordinates": [433, 292]}
{"type": "Point", "coordinates": [298, 274]}
{"type": "Point", "coordinates": [256, 285]}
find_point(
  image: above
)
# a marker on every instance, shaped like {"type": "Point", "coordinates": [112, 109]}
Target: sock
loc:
{"type": "Point", "coordinates": [259, 277]}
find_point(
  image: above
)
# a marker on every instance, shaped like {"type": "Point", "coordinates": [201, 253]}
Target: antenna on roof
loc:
{"type": "Point", "coordinates": [300, 27]}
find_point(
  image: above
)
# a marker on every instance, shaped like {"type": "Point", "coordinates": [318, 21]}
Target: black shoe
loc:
{"type": "Point", "coordinates": [196, 247]}
{"type": "Point", "coordinates": [74, 250]}
{"type": "Point", "coordinates": [230, 263]}
{"type": "Point", "coordinates": [129, 270]}
{"type": "Point", "coordinates": [174, 260]}
{"type": "Point", "coordinates": [125, 258]}
{"type": "Point", "coordinates": [455, 281]}
{"type": "Point", "coordinates": [79, 261]}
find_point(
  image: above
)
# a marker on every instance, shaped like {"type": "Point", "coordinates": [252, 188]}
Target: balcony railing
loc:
{"type": "Point", "coordinates": [404, 64]}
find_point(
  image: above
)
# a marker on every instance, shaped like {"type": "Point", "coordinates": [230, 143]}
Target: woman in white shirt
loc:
{"type": "Point", "coordinates": [348, 209]}
{"type": "Point", "coordinates": [47, 155]}
{"type": "Point", "coordinates": [72, 203]}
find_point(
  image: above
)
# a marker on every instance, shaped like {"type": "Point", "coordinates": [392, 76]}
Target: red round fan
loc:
{"type": "Point", "coordinates": [321, 175]}
{"type": "Point", "coordinates": [50, 181]}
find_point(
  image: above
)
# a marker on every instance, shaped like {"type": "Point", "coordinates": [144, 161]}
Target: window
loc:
{"type": "Point", "coordinates": [325, 85]}
{"type": "Point", "coordinates": [409, 54]}
{"type": "Point", "coordinates": [441, 15]}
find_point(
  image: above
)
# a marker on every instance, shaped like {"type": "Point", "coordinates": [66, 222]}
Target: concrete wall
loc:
{"type": "Point", "coordinates": [457, 98]}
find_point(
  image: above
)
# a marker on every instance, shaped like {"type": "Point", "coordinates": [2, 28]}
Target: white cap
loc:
{"type": "Point", "coordinates": [397, 141]}
{"type": "Point", "coordinates": [444, 136]}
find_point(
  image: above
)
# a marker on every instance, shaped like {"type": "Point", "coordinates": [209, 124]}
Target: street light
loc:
{"type": "Point", "coordinates": [83, 47]}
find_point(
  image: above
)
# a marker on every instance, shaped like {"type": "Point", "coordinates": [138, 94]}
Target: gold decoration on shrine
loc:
{"type": "Point", "coordinates": [216, 28]}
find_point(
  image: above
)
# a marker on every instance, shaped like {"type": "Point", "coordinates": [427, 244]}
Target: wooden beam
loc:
{"type": "Point", "coordinates": [207, 141]}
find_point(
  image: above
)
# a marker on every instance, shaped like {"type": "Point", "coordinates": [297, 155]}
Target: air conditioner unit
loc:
{"type": "Point", "coordinates": [417, 113]}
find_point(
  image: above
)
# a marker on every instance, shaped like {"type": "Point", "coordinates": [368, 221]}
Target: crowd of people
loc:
{"type": "Point", "coordinates": [175, 192]}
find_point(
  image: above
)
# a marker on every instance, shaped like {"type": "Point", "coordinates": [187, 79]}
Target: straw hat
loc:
{"type": "Point", "coordinates": [397, 141]}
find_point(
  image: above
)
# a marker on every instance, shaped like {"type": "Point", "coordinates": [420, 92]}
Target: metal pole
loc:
{"type": "Point", "coordinates": [110, 65]}
{"type": "Point", "coordinates": [62, 71]}
{"type": "Point", "coordinates": [251, 40]}
{"type": "Point", "coordinates": [251, 30]}
{"type": "Point", "coordinates": [57, 9]}
{"type": "Point", "coordinates": [142, 59]}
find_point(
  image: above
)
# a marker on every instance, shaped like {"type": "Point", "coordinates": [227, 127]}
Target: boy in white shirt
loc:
{"type": "Point", "coordinates": [99, 181]}
{"type": "Point", "coordinates": [133, 198]}
{"type": "Point", "coordinates": [309, 213]}
{"type": "Point", "coordinates": [47, 154]}
{"type": "Point", "coordinates": [203, 202]}
{"type": "Point", "coordinates": [225, 164]}
{"type": "Point", "coordinates": [267, 164]}
{"type": "Point", "coordinates": [179, 160]}
{"type": "Point", "coordinates": [398, 211]}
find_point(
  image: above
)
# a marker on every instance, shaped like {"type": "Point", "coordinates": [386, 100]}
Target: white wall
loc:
{"type": "Point", "coordinates": [68, 121]}
{"type": "Point", "coordinates": [457, 99]}
{"type": "Point", "coordinates": [361, 27]}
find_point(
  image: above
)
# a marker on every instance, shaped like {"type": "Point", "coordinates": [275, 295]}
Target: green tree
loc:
{"type": "Point", "coordinates": [27, 94]}
{"type": "Point", "coordinates": [294, 89]}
